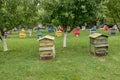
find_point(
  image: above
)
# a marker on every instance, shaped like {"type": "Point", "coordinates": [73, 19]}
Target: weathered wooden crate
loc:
{"type": "Point", "coordinates": [98, 44]}
{"type": "Point", "coordinates": [46, 56]}
{"type": "Point", "coordinates": [47, 47]}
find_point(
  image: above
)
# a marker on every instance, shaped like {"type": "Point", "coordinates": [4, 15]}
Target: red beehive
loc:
{"type": "Point", "coordinates": [105, 27]}
{"type": "Point", "coordinates": [61, 29]}
{"type": "Point", "coordinates": [77, 32]}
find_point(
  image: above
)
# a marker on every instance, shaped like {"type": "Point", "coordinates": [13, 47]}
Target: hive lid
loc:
{"type": "Point", "coordinates": [95, 35]}
{"type": "Point", "coordinates": [47, 37]}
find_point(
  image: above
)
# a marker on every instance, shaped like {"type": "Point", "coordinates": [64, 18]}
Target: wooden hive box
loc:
{"type": "Point", "coordinates": [98, 44]}
{"type": "Point", "coordinates": [77, 32]}
{"type": "Point", "coordinates": [22, 33]}
{"type": "Point", "coordinates": [112, 31]}
{"type": "Point", "coordinates": [47, 47]}
{"type": "Point", "coordinates": [59, 33]}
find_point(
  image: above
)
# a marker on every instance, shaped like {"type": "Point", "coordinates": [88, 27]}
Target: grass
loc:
{"type": "Point", "coordinates": [22, 61]}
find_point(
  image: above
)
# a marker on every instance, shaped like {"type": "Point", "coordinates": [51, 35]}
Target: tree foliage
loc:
{"type": "Point", "coordinates": [18, 12]}
{"type": "Point", "coordinates": [114, 9]}
{"type": "Point", "coordinates": [64, 12]}
{"type": "Point", "coordinates": [71, 13]}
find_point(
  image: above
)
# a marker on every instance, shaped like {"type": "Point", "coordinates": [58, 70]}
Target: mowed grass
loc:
{"type": "Point", "coordinates": [22, 61]}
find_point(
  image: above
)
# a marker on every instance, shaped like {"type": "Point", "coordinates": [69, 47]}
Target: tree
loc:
{"type": "Point", "coordinates": [7, 21]}
{"type": "Point", "coordinates": [101, 12]}
{"type": "Point", "coordinates": [70, 13]}
{"type": "Point", "coordinates": [114, 10]}
{"type": "Point", "coordinates": [17, 12]}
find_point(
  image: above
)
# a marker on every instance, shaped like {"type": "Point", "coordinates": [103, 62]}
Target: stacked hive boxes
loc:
{"type": "Point", "coordinates": [98, 44]}
{"type": "Point", "coordinates": [47, 47]}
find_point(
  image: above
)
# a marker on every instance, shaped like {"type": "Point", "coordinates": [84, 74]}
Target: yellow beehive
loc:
{"type": "Point", "coordinates": [22, 33]}
{"type": "Point", "coordinates": [47, 47]}
{"type": "Point", "coordinates": [59, 33]}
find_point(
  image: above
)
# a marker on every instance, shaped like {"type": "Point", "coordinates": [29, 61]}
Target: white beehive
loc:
{"type": "Point", "coordinates": [47, 47]}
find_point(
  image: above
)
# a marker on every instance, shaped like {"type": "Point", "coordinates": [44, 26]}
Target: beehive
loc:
{"type": "Point", "coordinates": [112, 31]}
{"type": "Point", "coordinates": [22, 33]}
{"type": "Point", "coordinates": [98, 44]}
{"type": "Point", "coordinates": [77, 32]}
{"type": "Point", "coordinates": [39, 33]}
{"type": "Point", "coordinates": [59, 33]}
{"type": "Point", "coordinates": [92, 31]}
{"type": "Point", "coordinates": [47, 47]}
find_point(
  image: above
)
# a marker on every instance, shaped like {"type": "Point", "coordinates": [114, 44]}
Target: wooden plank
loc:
{"type": "Point", "coordinates": [46, 48]}
{"type": "Point", "coordinates": [46, 40]}
{"type": "Point", "coordinates": [46, 44]}
{"type": "Point", "coordinates": [102, 45]}
{"type": "Point", "coordinates": [46, 57]}
{"type": "Point", "coordinates": [46, 52]}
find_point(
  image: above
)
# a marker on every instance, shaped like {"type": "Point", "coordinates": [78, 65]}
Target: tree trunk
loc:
{"type": "Point", "coordinates": [3, 40]}
{"type": "Point", "coordinates": [30, 34]}
{"type": "Point", "coordinates": [64, 40]}
{"type": "Point", "coordinates": [4, 43]}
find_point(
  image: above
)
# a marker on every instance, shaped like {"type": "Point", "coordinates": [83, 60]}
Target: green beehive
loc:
{"type": "Point", "coordinates": [98, 44]}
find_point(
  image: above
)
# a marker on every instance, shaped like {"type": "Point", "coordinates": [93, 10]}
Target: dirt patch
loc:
{"type": "Point", "coordinates": [102, 59]}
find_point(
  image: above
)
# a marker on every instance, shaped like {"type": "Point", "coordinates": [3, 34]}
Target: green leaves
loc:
{"type": "Point", "coordinates": [18, 12]}
{"type": "Point", "coordinates": [63, 12]}
{"type": "Point", "coordinates": [71, 13]}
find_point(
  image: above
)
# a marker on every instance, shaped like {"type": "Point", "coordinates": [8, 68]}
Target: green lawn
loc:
{"type": "Point", "coordinates": [75, 62]}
